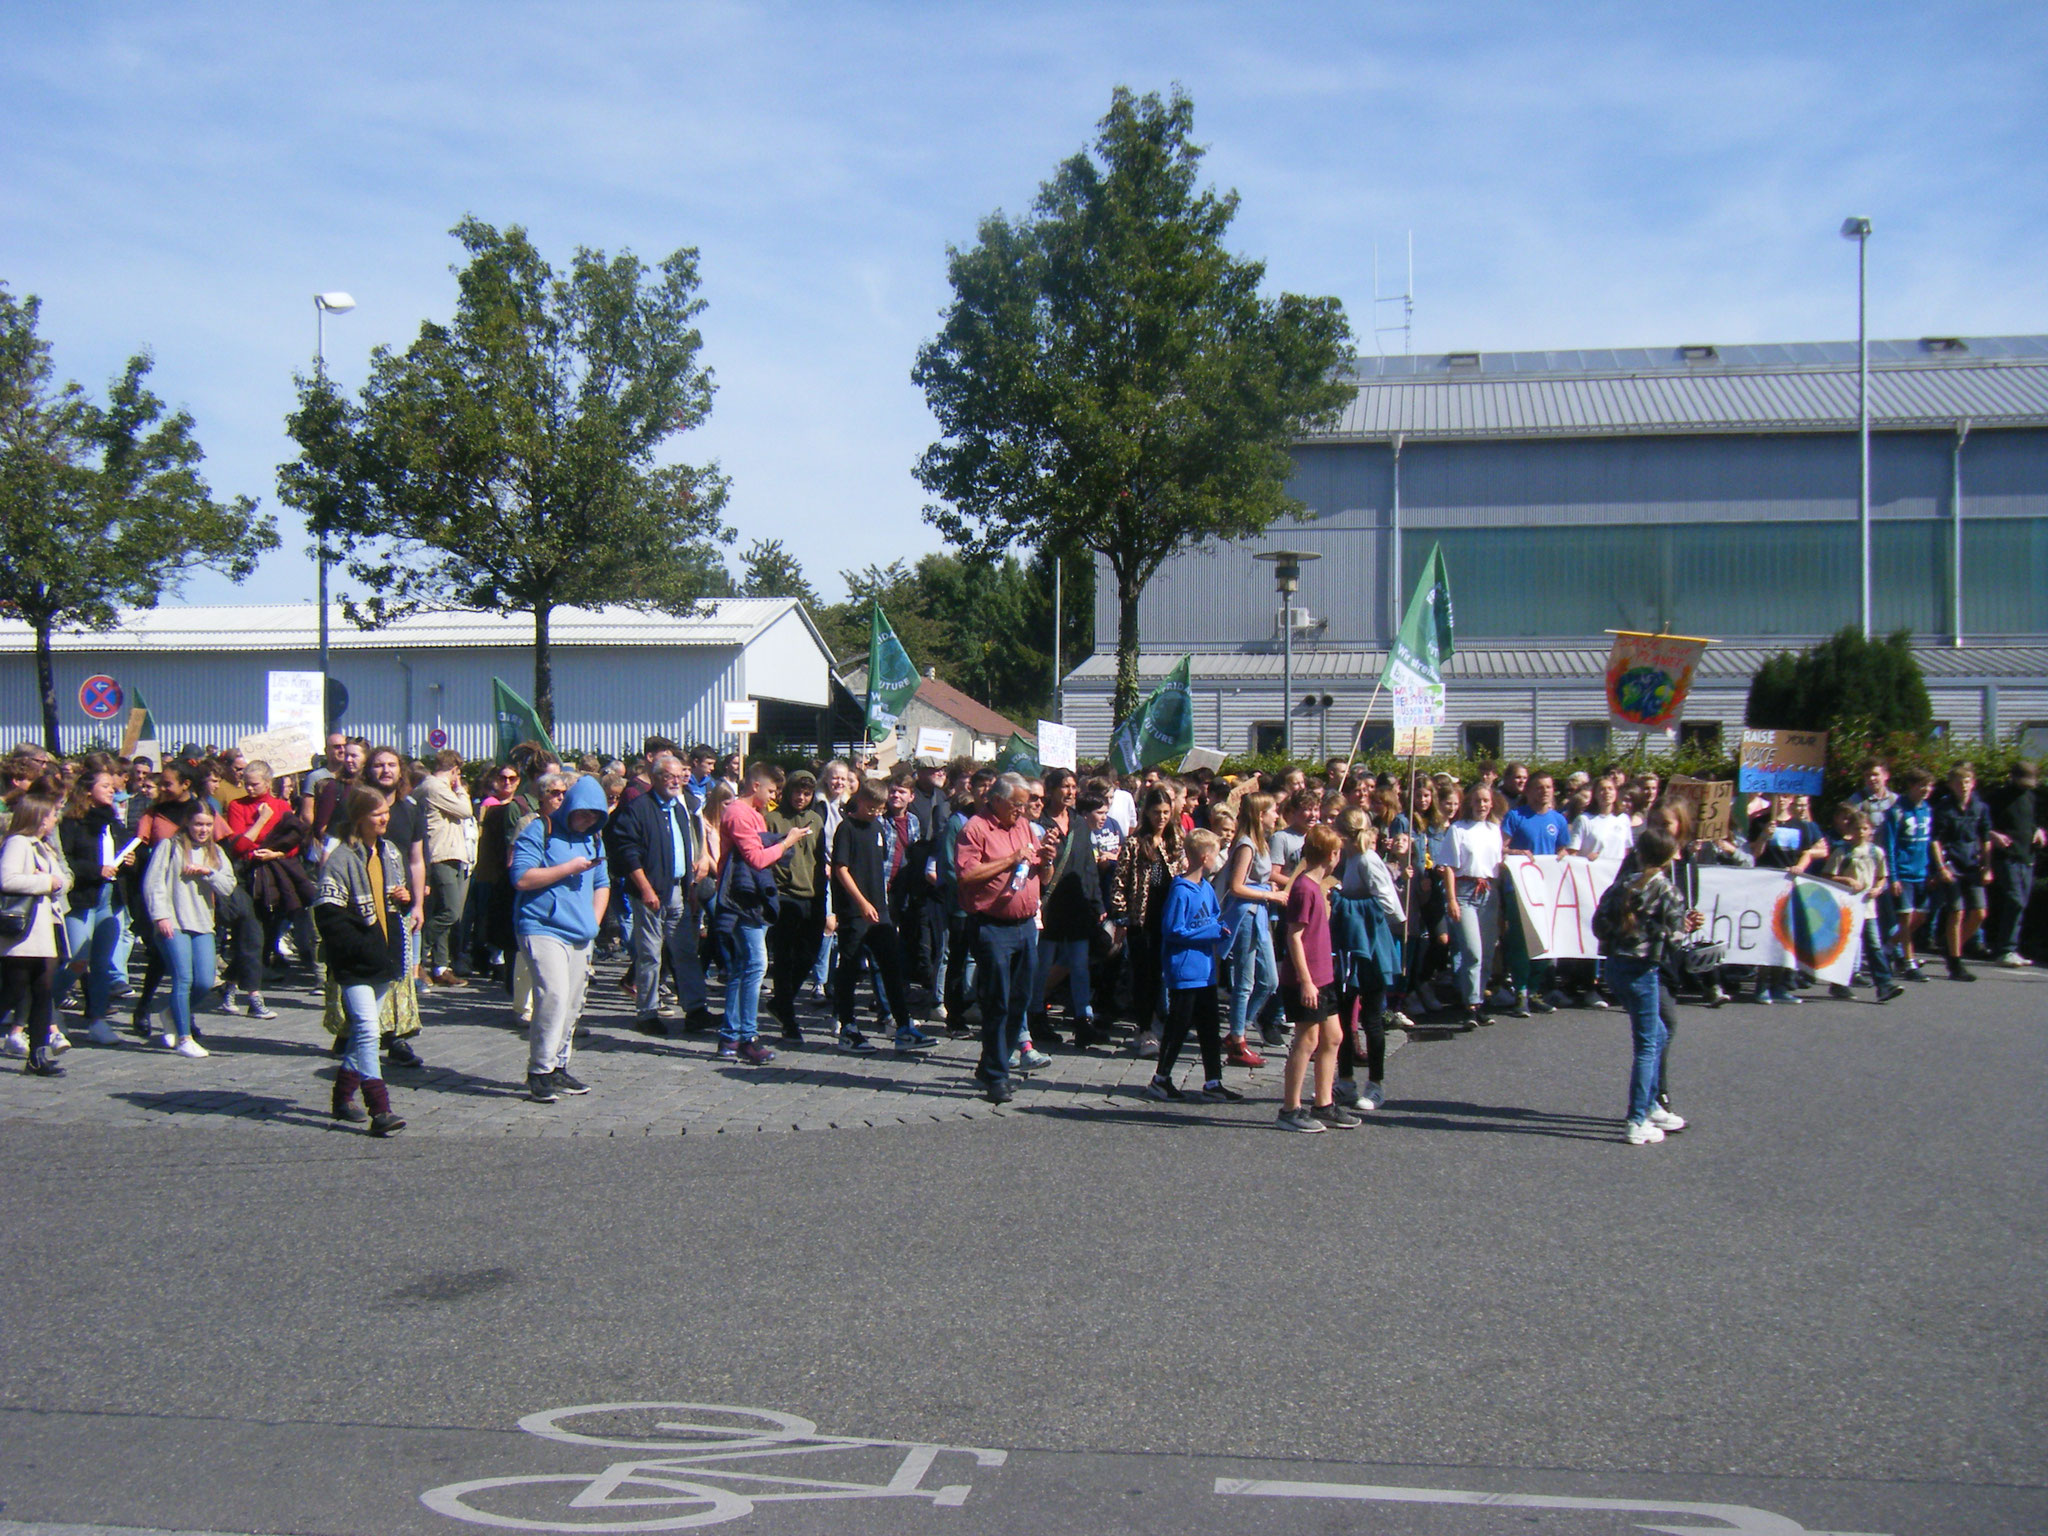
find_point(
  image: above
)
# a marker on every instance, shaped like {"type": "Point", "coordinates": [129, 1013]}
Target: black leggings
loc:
{"type": "Point", "coordinates": [1196, 1006]}
{"type": "Point", "coordinates": [29, 983]}
{"type": "Point", "coordinates": [1667, 1010]}
{"type": "Point", "coordinates": [1363, 1007]}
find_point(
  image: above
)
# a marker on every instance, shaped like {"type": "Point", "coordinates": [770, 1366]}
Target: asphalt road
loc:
{"type": "Point", "coordinates": [1821, 1306]}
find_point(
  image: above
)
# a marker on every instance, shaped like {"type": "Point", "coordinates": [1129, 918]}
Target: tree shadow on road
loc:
{"type": "Point", "coordinates": [229, 1103]}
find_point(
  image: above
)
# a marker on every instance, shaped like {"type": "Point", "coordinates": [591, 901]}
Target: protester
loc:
{"type": "Point", "coordinates": [1254, 889]}
{"type": "Point", "coordinates": [94, 842]}
{"type": "Point", "coordinates": [1640, 917]}
{"type": "Point", "coordinates": [1368, 973]}
{"type": "Point", "coordinates": [1308, 977]}
{"type": "Point", "coordinates": [1000, 862]}
{"type": "Point", "coordinates": [1533, 826]}
{"type": "Point", "coordinates": [2016, 841]}
{"type": "Point", "coordinates": [1192, 935]}
{"type": "Point", "coordinates": [451, 844]}
{"type": "Point", "coordinates": [868, 936]}
{"type": "Point", "coordinates": [34, 878]}
{"type": "Point", "coordinates": [561, 885]}
{"type": "Point", "coordinates": [405, 830]}
{"type": "Point", "coordinates": [188, 877]}
{"type": "Point", "coordinates": [359, 910]}
{"type": "Point", "coordinates": [799, 898]}
{"type": "Point", "coordinates": [1782, 836]}
{"type": "Point", "coordinates": [1145, 869]}
{"type": "Point", "coordinates": [1908, 841]}
{"type": "Point", "coordinates": [1858, 864]}
{"type": "Point", "coordinates": [1961, 865]}
{"type": "Point", "coordinates": [1475, 860]}
{"type": "Point", "coordinates": [746, 909]}
{"type": "Point", "coordinates": [1073, 911]}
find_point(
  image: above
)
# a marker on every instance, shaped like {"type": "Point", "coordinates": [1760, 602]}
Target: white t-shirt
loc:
{"type": "Point", "coordinates": [1603, 837]}
{"type": "Point", "coordinates": [1123, 810]}
{"type": "Point", "coordinates": [1476, 849]}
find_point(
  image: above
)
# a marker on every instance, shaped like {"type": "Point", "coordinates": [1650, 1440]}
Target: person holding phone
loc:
{"type": "Point", "coordinates": [561, 885]}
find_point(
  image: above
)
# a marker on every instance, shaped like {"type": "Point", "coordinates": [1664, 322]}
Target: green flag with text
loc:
{"type": "Point", "coordinates": [1020, 756]}
{"type": "Point", "coordinates": [516, 720]}
{"type": "Point", "coordinates": [892, 678]}
{"type": "Point", "coordinates": [1414, 666]}
{"type": "Point", "coordinates": [1162, 729]}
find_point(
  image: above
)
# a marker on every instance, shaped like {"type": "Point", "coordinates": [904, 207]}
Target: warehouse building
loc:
{"type": "Point", "coordinates": [619, 675]}
{"type": "Point", "coordinates": [1702, 490]}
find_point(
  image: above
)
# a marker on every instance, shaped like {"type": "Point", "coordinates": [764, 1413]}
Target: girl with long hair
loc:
{"type": "Point", "coordinates": [187, 877]}
{"type": "Point", "coordinates": [93, 836]}
{"type": "Point", "coordinates": [1474, 907]}
{"type": "Point", "coordinates": [1146, 866]}
{"type": "Point", "coordinates": [1640, 917]}
{"type": "Point", "coordinates": [33, 879]}
{"type": "Point", "coordinates": [1252, 892]}
{"type": "Point", "coordinates": [360, 912]}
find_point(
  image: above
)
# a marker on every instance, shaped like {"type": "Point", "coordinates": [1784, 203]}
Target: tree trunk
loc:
{"type": "Point", "coordinates": [543, 669]}
{"type": "Point", "coordinates": [1127, 593]}
{"type": "Point", "coordinates": [46, 684]}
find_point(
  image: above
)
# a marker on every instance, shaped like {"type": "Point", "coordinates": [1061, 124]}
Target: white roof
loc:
{"type": "Point", "coordinates": [728, 621]}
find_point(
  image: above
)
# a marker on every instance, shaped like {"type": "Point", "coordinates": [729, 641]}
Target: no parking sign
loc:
{"type": "Point", "coordinates": [101, 697]}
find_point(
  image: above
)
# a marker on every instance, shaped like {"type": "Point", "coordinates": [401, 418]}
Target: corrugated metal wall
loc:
{"type": "Point", "coordinates": [606, 699]}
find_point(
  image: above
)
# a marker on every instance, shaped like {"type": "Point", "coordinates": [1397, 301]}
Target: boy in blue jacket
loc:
{"type": "Point", "coordinates": [1192, 936]}
{"type": "Point", "coordinates": [560, 887]}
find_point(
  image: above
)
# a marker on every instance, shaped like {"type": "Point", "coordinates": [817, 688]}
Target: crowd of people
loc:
{"type": "Point", "coordinates": [1306, 913]}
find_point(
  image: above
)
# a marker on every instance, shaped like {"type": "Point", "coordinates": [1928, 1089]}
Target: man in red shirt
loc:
{"type": "Point", "coordinates": [1000, 862]}
{"type": "Point", "coordinates": [746, 906]}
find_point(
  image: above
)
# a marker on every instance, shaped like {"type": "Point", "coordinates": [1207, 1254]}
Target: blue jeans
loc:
{"type": "Point", "coordinates": [1634, 983]}
{"type": "Point", "coordinates": [746, 965]}
{"type": "Point", "coordinates": [1253, 978]}
{"type": "Point", "coordinates": [1073, 954]}
{"type": "Point", "coordinates": [94, 938]}
{"type": "Point", "coordinates": [1005, 959]}
{"type": "Point", "coordinates": [1473, 935]}
{"type": "Point", "coordinates": [361, 1004]}
{"type": "Point", "coordinates": [189, 959]}
{"type": "Point", "coordinates": [821, 968]}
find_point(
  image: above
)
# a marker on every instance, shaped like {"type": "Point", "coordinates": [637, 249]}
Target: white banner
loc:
{"type": "Point", "coordinates": [1059, 746]}
{"type": "Point", "coordinates": [1557, 894]}
{"type": "Point", "coordinates": [1766, 918]}
{"type": "Point", "coordinates": [296, 704]}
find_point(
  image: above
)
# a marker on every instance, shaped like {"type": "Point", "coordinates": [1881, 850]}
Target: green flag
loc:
{"type": "Point", "coordinates": [1414, 666]}
{"type": "Point", "coordinates": [1162, 729]}
{"type": "Point", "coordinates": [892, 678]}
{"type": "Point", "coordinates": [140, 736]}
{"type": "Point", "coordinates": [1020, 756]}
{"type": "Point", "coordinates": [516, 721]}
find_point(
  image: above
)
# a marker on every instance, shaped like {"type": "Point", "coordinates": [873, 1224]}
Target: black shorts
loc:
{"type": "Point", "coordinates": [1966, 892]}
{"type": "Point", "coordinates": [1299, 1012]}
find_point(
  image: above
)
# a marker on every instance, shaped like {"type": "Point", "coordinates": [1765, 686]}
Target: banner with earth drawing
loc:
{"type": "Point", "coordinates": [1648, 677]}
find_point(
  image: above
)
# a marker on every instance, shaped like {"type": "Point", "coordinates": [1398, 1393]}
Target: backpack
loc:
{"type": "Point", "coordinates": [1618, 903]}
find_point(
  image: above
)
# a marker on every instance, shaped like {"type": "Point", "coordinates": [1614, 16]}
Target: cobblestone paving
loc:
{"type": "Point", "coordinates": [269, 1074]}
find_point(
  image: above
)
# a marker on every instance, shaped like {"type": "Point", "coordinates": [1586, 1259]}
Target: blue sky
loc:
{"type": "Point", "coordinates": [186, 177]}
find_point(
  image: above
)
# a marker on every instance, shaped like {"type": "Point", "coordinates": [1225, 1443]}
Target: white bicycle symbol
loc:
{"type": "Point", "coordinates": [704, 1449]}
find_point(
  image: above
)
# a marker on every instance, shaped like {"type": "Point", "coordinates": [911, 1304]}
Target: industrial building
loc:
{"type": "Point", "coordinates": [1701, 490]}
{"type": "Point", "coordinates": [619, 675]}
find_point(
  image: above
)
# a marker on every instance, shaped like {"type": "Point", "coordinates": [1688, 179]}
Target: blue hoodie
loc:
{"type": "Point", "coordinates": [566, 910]}
{"type": "Point", "coordinates": [1192, 931]}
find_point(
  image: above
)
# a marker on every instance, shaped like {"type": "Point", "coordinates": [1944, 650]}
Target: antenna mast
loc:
{"type": "Point", "coordinates": [1405, 298]}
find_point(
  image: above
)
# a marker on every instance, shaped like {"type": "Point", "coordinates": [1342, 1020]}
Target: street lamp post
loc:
{"type": "Point", "coordinates": [1859, 231]}
{"type": "Point", "coordinates": [1287, 564]}
{"type": "Point", "coordinates": [324, 304]}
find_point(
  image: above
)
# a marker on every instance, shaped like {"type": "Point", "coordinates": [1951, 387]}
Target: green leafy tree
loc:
{"type": "Point", "coordinates": [771, 569]}
{"type": "Point", "coordinates": [508, 461]}
{"type": "Point", "coordinates": [1109, 380]}
{"type": "Point", "coordinates": [101, 506]}
{"type": "Point", "coordinates": [1861, 691]}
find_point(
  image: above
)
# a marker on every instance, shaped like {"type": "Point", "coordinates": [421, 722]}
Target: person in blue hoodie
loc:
{"type": "Point", "coordinates": [1191, 935]}
{"type": "Point", "coordinates": [560, 886]}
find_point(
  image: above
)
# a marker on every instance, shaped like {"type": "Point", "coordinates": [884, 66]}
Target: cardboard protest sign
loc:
{"type": "Point", "coordinates": [287, 751]}
{"type": "Point", "coordinates": [1648, 677]}
{"type": "Point", "coordinates": [1059, 746]}
{"type": "Point", "coordinates": [1768, 918]}
{"type": "Point", "coordinates": [1200, 757]}
{"type": "Point", "coordinates": [1557, 894]}
{"type": "Point", "coordinates": [1783, 762]}
{"type": "Point", "coordinates": [1712, 802]}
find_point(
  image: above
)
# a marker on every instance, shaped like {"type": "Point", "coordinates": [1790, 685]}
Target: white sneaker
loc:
{"type": "Point", "coordinates": [168, 1041]}
{"type": "Point", "coordinates": [59, 1041]}
{"type": "Point", "coordinates": [1372, 1096]}
{"type": "Point", "coordinates": [1666, 1121]}
{"type": "Point", "coordinates": [2015, 961]}
{"type": "Point", "coordinates": [15, 1045]}
{"type": "Point", "coordinates": [1399, 1020]}
{"type": "Point", "coordinates": [102, 1032]}
{"type": "Point", "coordinates": [1346, 1093]}
{"type": "Point", "coordinates": [1641, 1133]}
{"type": "Point", "coordinates": [190, 1047]}
{"type": "Point", "coordinates": [1034, 1059]}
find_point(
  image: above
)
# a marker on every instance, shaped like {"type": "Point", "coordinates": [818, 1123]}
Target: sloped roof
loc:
{"type": "Point", "coordinates": [1536, 661]}
{"type": "Point", "coordinates": [731, 621]}
{"type": "Point", "coordinates": [955, 705]}
{"type": "Point", "coordinates": [1994, 381]}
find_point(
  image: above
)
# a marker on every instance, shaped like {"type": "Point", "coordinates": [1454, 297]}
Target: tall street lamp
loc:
{"type": "Point", "coordinates": [1859, 231]}
{"type": "Point", "coordinates": [324, 304]}
{"type": "Point", "coordinates": [1287, 564]}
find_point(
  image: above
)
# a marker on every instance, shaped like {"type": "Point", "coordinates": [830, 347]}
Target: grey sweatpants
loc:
{"type": "Point", "coordinates": [561, 975]}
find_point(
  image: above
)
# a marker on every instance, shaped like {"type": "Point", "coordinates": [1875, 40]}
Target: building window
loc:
{"type": "Point", "coordinates": [1376, 736]}
{"type": "Point", "coordinates": [2033, 738]}
{"type": "Point", "coordinates": [1267, 736]}
{"type": "Point", "coordinates": [1585, 738]}
{"type": "Point", "coordinates": [1481, 738]}
{"type": "Point", "coordinates": [1703, 734]}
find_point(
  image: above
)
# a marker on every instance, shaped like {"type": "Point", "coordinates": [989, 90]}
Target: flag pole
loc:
{"type": "Point", "coordinates": [1359, 735]}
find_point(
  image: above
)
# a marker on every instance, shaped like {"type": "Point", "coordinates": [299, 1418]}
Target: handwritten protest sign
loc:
{"type": "Point", "coordinates": [1557, 894]}
{"type": "Point", "coordinates": [287, 751]}
{"type": "Point", "coordinates": [1648, 677]}
{"type": "Point", "coordinates": [1783, 762]}
{"type": "Point", "coordinates": [1767, 918]}
{"type": "Point", "coordinates": [1712, 802]}
{"type": "Point", "coordinates": [1059, 746]}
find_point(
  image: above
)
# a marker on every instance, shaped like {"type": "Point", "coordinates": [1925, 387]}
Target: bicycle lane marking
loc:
{"type": "Point", "coordinates": [710, 1455]}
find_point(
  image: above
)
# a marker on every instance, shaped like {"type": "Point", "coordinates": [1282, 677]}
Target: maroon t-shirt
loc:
{"type": "Point", "coordinates": [1309, 910]}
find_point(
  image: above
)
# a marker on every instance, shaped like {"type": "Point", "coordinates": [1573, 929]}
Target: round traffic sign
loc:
{"type": "Point", "coordinates": [437, 738]}
{"type": "Point", "coordinates": [100, 697]}
{"type": "Point", "coordinates": [337, 698]}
